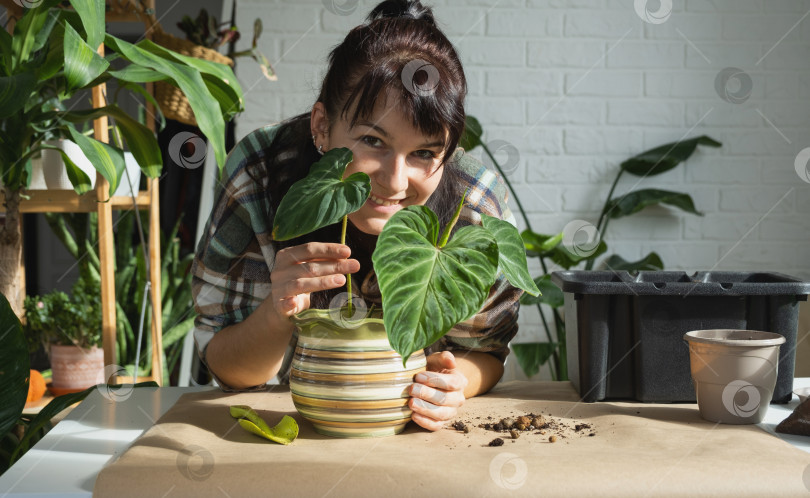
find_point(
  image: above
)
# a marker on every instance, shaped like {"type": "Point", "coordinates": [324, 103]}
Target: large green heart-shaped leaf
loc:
{"type": "Point", "coordinates": [512, 259]}
{"type": "Point", "coordinates": [665, 157]}
{"type": "Point", "coordinates": [322, 198]}
{"type": "Point", "coordinates": [427, 290]}
{"type": "Point", "coordinates": [82, 63]}
{"type": "Point", "coordinates": [15, 367]}
{"type": "Point", "coordinates": [637, 200]}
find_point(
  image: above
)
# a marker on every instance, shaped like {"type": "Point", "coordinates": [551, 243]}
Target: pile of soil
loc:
{"type": "Point", "coordinates": [535, 426]}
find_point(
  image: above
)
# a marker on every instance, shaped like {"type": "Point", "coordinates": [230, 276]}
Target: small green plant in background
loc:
{"type": "Point", "coordinates": [551, 249]}
{"type": "Point", "coordinates": [56, 318]}
{"type": "Point", "coordinates": [79, 234]}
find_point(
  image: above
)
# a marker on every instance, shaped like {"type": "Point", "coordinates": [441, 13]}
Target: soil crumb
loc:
{"type": "Point", "coordinates": [548, 428]}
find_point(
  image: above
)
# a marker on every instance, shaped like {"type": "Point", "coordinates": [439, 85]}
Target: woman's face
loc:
{"type": "Point", "coordinates": [403, 164]}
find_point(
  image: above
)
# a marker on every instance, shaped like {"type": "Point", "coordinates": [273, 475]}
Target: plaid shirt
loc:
{"type": "Point", "coordinates": [231, 270]}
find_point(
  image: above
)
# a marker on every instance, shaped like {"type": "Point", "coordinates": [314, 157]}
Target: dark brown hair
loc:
{"type": "Point", "coordinates": [397, 53]}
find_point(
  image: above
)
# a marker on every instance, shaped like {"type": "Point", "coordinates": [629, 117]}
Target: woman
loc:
{"type": "Point", "coordinates": [393, 94]}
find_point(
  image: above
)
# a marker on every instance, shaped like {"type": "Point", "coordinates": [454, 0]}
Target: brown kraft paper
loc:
{"type": "Point", "coordinates": [198, 449]}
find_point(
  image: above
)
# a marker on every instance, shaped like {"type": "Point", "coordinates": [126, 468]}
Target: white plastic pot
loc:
{"type": "Point", "coordinates": [56, 178]}
{"type": "Point", "coordinates": [734, 373]}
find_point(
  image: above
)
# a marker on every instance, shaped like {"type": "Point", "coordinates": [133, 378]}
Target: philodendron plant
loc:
{"type": "Point", "coordinates": [429, 281]}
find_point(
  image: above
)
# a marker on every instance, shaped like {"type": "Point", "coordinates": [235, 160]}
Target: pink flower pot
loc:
{"type": "Point", "coordinates": [75, 369]}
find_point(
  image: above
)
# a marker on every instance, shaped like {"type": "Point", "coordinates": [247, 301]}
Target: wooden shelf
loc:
{"type": "Point", "coordinates": [68, 201]}
{"type": "Point", "coordinates": [97, 200]}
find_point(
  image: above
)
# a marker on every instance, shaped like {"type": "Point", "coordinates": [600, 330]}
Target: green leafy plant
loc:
{"type": "Point", "coordinates": [51, 57]}
{"type": "Point", "coordinates": [205, 31]}
{"type": "Point", "coordinates": [550, 248]}
{"type": "Point", "coordinates": [429, 283]}
{"type": "Point", "coordinates": [78, 232]}
{"type": "Point", "coordinates": [56, 318]}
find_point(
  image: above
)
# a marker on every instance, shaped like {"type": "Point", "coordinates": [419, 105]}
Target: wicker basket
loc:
{"type": "Point", "coordinates": [173, 103]}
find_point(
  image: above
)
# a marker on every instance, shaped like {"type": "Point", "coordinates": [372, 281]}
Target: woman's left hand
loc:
{"type": "Point", "coordinates": [437, 393]}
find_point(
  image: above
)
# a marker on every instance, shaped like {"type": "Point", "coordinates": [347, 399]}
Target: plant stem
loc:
{"type": "Point", "coordinates": [607, 201]}
{"type": "Point", "coordinates": [449, 228]}
{"type": "Point", "coordinates": [556, 355]}
{"type": "Point", "coordinates": [554, 375]}
{"type": "Point", "coordinates": [508, 184]}
{"type": "Point", "coordinates": [348, 275]}
{"type": "Point", "coordinates": [600, 230]}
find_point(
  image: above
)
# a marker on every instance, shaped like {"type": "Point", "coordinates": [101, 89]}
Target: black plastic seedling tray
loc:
{"type": "Point", "coordinates": [624, 332]}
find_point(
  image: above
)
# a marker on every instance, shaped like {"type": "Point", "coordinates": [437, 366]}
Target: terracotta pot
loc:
{"type": "Point", "coordinates": [346, 379]}
{"type": "Point", "coordinates": [734, 373]}
{"type": "Point", "coordinates": [75, 369]}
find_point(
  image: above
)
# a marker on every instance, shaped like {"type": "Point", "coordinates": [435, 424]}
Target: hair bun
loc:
{"type": "Point", "coordinates": [412, 9]}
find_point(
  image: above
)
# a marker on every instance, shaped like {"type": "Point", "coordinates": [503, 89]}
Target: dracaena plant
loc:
{"type": "Point", "coordinates": [429, 281]}
{"type": "Point", "coordinates": [51, 57]}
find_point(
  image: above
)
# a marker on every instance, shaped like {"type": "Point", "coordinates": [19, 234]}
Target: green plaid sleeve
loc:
{"type": "Point", "coordinates": [234, 258]}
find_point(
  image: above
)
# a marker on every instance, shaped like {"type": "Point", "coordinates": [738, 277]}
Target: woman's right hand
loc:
{"type": "Point", "coordinates": [302, 269]}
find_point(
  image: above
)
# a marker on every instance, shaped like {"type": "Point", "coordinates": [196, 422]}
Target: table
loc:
{"type": "Point", "coordinates": [72, 454]}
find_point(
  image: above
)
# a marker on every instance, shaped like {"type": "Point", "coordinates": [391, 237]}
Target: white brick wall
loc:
{"type": "Point", "coordinates": [580, 85]}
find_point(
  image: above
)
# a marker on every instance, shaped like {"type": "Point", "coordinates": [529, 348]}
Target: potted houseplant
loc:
{"type": "Point", "coordinates": [70, 329]}
{"type": "Point", "coordinates": [204, 36]}
{"type": "Point", "coordinates": [429, 283]}
{"type": "Point", "coordinates": [553, 249]}
{"type": "Point", "coordinates": [51, 57]}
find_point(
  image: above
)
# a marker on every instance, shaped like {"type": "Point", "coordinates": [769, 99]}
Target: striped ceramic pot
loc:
{"type": "Point", "coordinates": [346, 379]}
